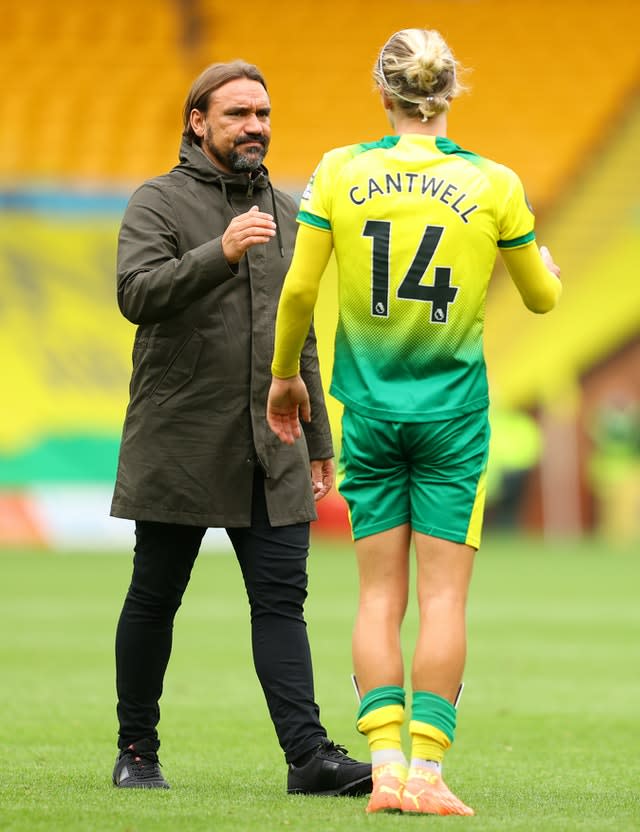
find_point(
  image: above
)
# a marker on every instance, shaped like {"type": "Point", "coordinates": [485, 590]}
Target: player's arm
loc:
{"type": "Point", "coordinates": [535, 274]}
{"type": "Point", "coordinates": [288, 399]}
{"type": "Point", "coordinates": [298, 299]}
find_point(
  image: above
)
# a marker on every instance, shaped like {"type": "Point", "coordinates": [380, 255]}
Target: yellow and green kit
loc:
{"type": "Point", "coordinates": [416, 222]}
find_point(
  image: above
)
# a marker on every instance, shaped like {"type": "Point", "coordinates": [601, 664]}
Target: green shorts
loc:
{"type": "Point", "coordinates": [428, 474]}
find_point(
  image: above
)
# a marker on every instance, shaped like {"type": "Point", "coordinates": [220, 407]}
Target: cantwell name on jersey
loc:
{"type": "Point", "coordinates": [418, 184]}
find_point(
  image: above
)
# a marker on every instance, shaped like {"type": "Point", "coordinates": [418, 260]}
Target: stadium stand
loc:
{"type": "Point", "coordinates": [539, 95]}
{"type": "Point", "coordinates": [107, 83]}
{"type": "Point", "coordinates": [92, 94]}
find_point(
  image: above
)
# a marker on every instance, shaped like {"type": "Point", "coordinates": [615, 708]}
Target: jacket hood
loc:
{"type": "Point", "coordinates": [194, 163]}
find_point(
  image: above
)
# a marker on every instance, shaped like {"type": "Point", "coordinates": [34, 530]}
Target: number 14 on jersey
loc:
{"type": "Point", "coordinates": [439, 294]}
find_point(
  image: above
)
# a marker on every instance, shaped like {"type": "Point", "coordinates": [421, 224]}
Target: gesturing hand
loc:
{"type": "Point", "coordinates": [246, 230]}
{"type": "Point", "coordinates": [287, 398]}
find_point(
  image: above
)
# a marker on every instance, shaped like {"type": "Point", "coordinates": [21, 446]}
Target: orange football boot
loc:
{"type": "Point", "coordinates": [425, 793]}
{"type": "Point", "coordinates": [388, 784]}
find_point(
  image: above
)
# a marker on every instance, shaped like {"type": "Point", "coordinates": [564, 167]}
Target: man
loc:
{"type": "Point", "coordinates": [202, 254]}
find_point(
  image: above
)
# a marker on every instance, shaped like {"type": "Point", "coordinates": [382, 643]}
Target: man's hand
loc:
{"type": "Point", "coordinates": [322, 477]}
{"type": "Point", "coordinates": [288, 399]}
{"type": "Point", "coordinates": [246, 230]}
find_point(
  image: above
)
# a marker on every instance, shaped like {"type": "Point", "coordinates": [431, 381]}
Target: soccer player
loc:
{"type": "Point", "coordinates": [415, 222]}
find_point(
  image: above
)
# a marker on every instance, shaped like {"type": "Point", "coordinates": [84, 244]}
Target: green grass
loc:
{"type": "Point", "coordinates": [548, 730]}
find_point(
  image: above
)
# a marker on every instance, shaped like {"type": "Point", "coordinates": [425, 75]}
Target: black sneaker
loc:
{"type": "Point", "coordinates": [330, 772]}
{"type": "Point", "coordinates": [138, 769]}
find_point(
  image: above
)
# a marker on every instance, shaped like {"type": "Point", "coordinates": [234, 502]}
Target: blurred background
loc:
{"type": "Point", "coordinates": [91, 96]}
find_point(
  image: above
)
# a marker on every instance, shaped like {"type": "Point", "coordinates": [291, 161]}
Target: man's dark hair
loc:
{"type": "Point", "coordinates": [211, 79]}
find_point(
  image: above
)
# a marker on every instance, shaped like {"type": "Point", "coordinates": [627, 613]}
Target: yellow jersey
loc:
{"type": "Point", "coordinates": [416, 223]}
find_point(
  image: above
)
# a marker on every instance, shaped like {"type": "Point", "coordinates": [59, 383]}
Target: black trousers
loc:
{"type": "Point", "coordinates": [273, 561]}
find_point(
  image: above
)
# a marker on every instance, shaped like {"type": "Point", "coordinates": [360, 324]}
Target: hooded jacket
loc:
{"type": "Point", "coordinates": [195, 426]}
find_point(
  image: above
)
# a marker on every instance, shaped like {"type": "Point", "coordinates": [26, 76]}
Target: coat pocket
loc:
{"type": "Point", "coordinates": [180, 369]}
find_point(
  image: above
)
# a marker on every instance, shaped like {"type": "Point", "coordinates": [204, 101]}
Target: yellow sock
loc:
{"type": "Point", "coordinates": [428, 742]}
{"type": "Point", "coordinates": [382, 727]}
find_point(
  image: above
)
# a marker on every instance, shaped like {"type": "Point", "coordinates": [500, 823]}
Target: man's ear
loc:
{"type": "Point", "coordinates": [197, 122]}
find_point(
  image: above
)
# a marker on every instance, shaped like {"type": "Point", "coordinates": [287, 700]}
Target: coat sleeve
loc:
{"type": "Point", "coordinates": [317, 432]}
{"type": "Point", "coordinates": [155, 282]}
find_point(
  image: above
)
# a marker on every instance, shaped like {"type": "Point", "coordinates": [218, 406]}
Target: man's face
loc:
{"type": "Point", "coordinates": [236, 129]}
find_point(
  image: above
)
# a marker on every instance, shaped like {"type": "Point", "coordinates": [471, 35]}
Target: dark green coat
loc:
{"type": "Point", "coordinates": [195, 426]}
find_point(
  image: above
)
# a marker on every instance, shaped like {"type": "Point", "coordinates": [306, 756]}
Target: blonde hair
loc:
{"type": "Point", "coordinates": [418, 71]}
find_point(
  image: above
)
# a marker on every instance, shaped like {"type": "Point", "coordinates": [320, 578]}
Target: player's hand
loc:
{"type": "Point", "coordinates": [288, 402]}
{"type": "Point", "coordinates": [547, 259]}
{"type": "Point", "coordinates": [246, 230]}
{"type": "Point", "coordinates": [322, 477]}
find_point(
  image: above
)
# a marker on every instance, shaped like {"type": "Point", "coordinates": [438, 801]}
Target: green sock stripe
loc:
{"type": "Point", "coordinates": [379, 697]}
{"type": "Point", "coordinates": [434, 710]}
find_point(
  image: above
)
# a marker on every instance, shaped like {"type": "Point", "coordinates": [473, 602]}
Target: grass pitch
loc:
{"type": "Point", "coordinates": [548, 730]}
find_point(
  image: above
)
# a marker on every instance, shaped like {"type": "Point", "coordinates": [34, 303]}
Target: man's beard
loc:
{"type": "Point", "coordinates": [237, 160]}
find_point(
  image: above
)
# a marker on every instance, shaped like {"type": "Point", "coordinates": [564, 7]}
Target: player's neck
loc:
{"type": "Point", "coordinates": [436, 126]}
